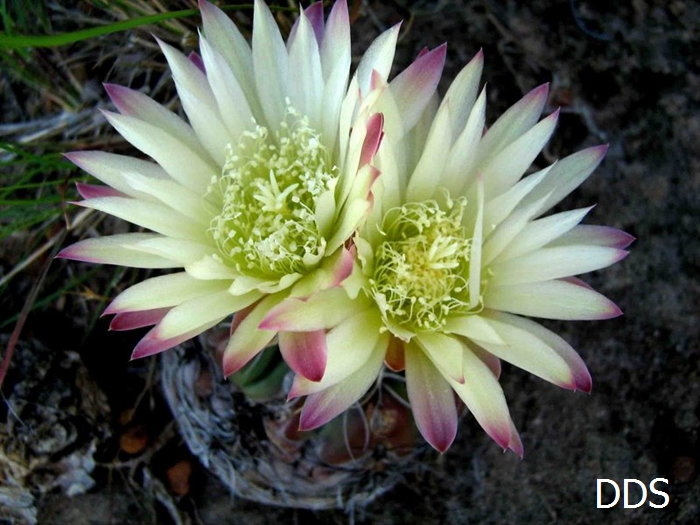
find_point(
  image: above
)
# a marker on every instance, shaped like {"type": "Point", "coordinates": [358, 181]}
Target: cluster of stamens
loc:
{"type": "Point", "coordinates": [269, 186]}
{"type": "Point", "coordinates": [421, 266]}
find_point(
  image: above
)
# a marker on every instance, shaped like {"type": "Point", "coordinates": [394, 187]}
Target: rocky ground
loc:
{"type": "Point", "coordinates": [626, 74]}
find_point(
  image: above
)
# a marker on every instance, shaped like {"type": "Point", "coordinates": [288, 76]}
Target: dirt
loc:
{"type": "Point", "coordinates": [624, 73]}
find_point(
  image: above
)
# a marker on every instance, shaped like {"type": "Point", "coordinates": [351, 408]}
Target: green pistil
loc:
{"type": "Point", "coordinates": [421, 267]}
{"type": "Point", "coordinates": [270, 186]}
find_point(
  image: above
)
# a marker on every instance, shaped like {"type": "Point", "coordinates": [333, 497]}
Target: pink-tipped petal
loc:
{"type": "Point", "coordinates": [92, 191]}
{"type": "Point", "coordinates": [431, 399]}
{"type": "Point", "coordinates": [305, 352]}
{"type": "Point", "coordinates": [556, 299]}
{"type": "Point", "coordinates": [416, 85]}
{"type": "Point", "coordinates": [314, 13]}
{"type": "Point", "coordinates": [513, 123]}
{"type": "Point", "coordinates": [247, 340]}
{"type": "Point", "coordinates": [321, 310]}
{"type": "Point", "coordinates": [516, 444]}
{"type": "Point", "coordinates": [196, 59]}
{"type": "Point", "coordinates": [139, 319]}
{"type": "Point", "coordinates": [538, 351]}
{"type": "Point", "coordinates": [484, 397]}
{"type": "Point", "coordinates": [596, 236]}
{"type": "Point", "coordinates": [321, 407]}
{"type": "Point", "coordinates": [373, 139]}
{"type": "Point", "coordinates": [565, 176]}
{"type": "Point", "coordinates": [151, 344]}
{"type": "Point", "coordinates": [120, 249]}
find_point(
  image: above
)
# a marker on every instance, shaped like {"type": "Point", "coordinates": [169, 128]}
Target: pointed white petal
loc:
{"type": "Point", "coordinates": [539, 351]}
{"type": "Point", "coordinates": [476, 248]}
{"type": "Point", "coordinates": [224, 36]}
{"type": "Point", "coordinates": [163, 291]}
{"type": "Point", "coordinates": [431, 398]}
{"type": "Point", "coordinates": [414, 87]}
{"type": "Point", "coordinates": [117, 249]}
{"type": "Point", "coordinates": [594, 236]}
{"type": "Point", "coordinates": [513, 123]}
{"type": "Point", "coordinates": [110, 169]}
{"type": "Point", "coordinates": [551, 300]}
{"type": "Point", "coordinates": [459, 173]}
{"type": "Point", "coordinates": [484, 397]}
{"type": "Point", "coordinates": [135, 104]}
{"type": "Point", "coordinates": [462, 93]}
{"type": "Point", "coordinates": [566, 175]}
{"type": "Point", "coordinates": [182, 164]}
{"type": "Point", "coordinates": [498, 208]}
{"type": "Point", "coordinates": [271, 65]}
{"type": "Point", "coordinates": [446, 353]}
{"type": "Point", "coordinates": [306, 76]}
{"type": "Point", "coordinates": [378, 57]}
{"type": "Point", "coordinates": [321, 407]}
{"type": "Point", "coordinates": [538, 233]}
{"type": "Point", "coordinates": [231, 100]}
{"type": "Point", "coordinates": [510, 231]}
{"type": "Point", "coordinates": [426, 177]}
{"type": "Point", "coordinates": [554, 263]}
{"type": "Point", "coordinates": [153, 216]}
{"type": "Point", "coordinates": [199, 103]}
{"type": "Point", "coordinates": [506, 167]}
{"type": "Point", "coordinates": [473, 327]}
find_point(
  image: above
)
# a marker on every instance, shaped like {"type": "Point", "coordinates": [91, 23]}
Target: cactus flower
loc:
{"type": "Point", "coordinates": [454, 258]}
{"type": "Point", "coordinates": [254, 199]}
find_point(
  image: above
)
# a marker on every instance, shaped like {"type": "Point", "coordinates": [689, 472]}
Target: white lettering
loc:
{"type": "Point", "coordinates": [644, 493]}
{"type": "Point", "coordinates": [599, 495]}
{"type": "Point", "coordinates": [652, 487]}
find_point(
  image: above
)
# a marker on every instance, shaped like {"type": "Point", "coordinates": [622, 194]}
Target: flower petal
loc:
{"type": "Point", "coordinates": [306, 76]}
{"type": "Point", "coordinates": [139, 319]}
{"type": "Point", "coordinates": [183, 164]}
{"type": "Point", "coordinates": [349, 346]}
{"type": "Point", "coordinates": [379, 57]}
{"type": "Point", "coordinates": [323, 406]}
{"type": "Point", "coordinates": [110, 169]}
{"type": "Point", "coordinates": [224, 36]}
{"type": "Point", "coordinates": [321, 310]}
{"type": "Point", "coordinates": [138, 105]}
{"type": "Point", "coordinates": [230, 97]}
{"type": "Point", "coordinates": [413, 88]}
{"type": "Point", "coordinates": [424, 181]}
{"type": "Point", "coordinates": [591, 235]}
{"type": "Point", "coordinates": [271, 65]}
{"type": "Point", "coordinates": [484, 397]}
{"type": "Point", "coordinates": [506, 167]}
{"type": "Point", "coordinates": [199, 103]}
{"type": "Point", "coordinates": [189, 319]}
{"type": "Point", "coordinates": [552, 263]}
{"type": "Point", "coordinates": [538, 351]}
{"type": "Point", "coordinates": [555, 299]}
{"type": "Point", "coordinates": [431, 398]}
{"type": "Point", "coordinates": [539, 233]}
{"type": "Point", "coordinates": [445, 352]}
{"type": "Point", "coordinates": [153, 216]}
{"type": "Point", "coordinates": [247, 339]}
{"type": "Point", "coordinates": [117, 249]}
{"type": "Point", "coordinates": [163, 291]}
{"type": "Point", "coordinates": [305, 352]}
{"type": "Point", "coordinates": [462, 93]}
{"type": "Point", "coordinates": [512, 124]}
{"type": "Point", "coordinates": [566, 175]}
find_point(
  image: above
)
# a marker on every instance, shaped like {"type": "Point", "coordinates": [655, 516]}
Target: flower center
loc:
{"type": "Point", "coordinates": [270, 185]}
{"type": "Point", "coordinates": [422, 267]}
